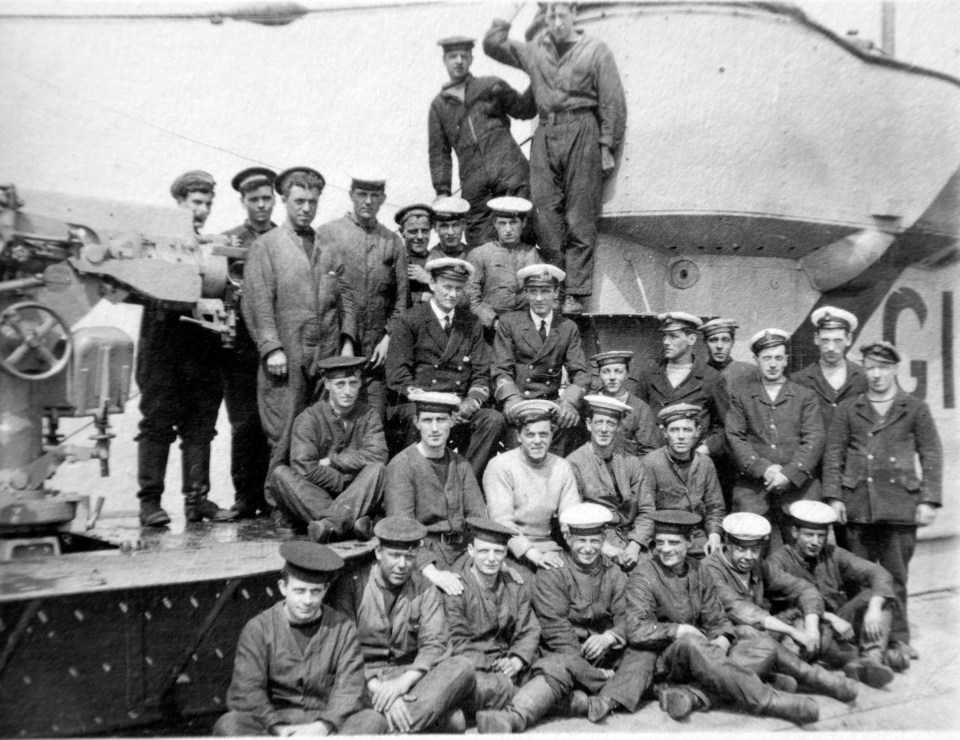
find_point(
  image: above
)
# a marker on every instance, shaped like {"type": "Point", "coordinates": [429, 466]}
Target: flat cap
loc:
{"type": "Point", "coordinates": [347, 365]}
{"type": "Point", "coordinates": [717, 326]}
{"type": "Point", "coordinates": [414, 209]}
{"type": "Point", "coordinates": [401, 532]}
{"type": "Point", "coordinates": [367, 181]}
{"type": "Point", "coordinates": [679, 321]}
{"type": "Point", "coordinates": [455, 43]}
{"type": "Point", "coordinates": [450, 267]}
{"type": "Point", "coordinates": [510, 206]}
{"type": "Point", "coordinates": [614, 357]}
{"type": "Point", "coordinates": [190, 180]}
{"type": "Point", "coordinates": [585, 518]}
{"type": "Point", "coordinates": [253, 175]}
{"type": "Point", "coordinates": [881, 350]}
{"type": "Point", "coordinates": [766, 338]}
{"type": "Point", "coordinates": [539, 275]}
{"type": "Point", "coordinates": [450, 208]}
{"type": "Point", "coordinates": [830, 317]}
{"type": "Point", "coordinates": [811, 514]}
{"type": "Point", "coordinates": [434, 401]}
{"type": "Point", "coordinates": [489, 530]}
{"type": "Point", "coordinates": [675, 521]}
{"type": "Point", "coordinates": [743, 526]}
{"type": "Point", "coordinates": [310, 561]}
{"type": "Point", "coordinates": [281, 178]}
{"type": "Point", "coordinates": [679, 411]}
{"type": "Point", "coordinates": [607, 405]}
{"type": "Point", "coordinates": [536, 409]}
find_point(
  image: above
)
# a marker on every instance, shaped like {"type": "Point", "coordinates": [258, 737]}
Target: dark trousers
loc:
{"type": "Point", "coordinates": [480, 181]}
{"type": "Point", "coordinates": [476, 439]}
{"type": "Point", "coordinates": [449, 685]}
{"type": "Point", "coordinates": [632, 677]}
{"type": "Point", "coordinates": [892, 546]}
{"type": "Point", "coordinates": [246, 724]}
{"type": "Point", "coordinates": [249, 451]}
{"type": "Point", "coordinates": [566, 184]}
{"type": "Point", "coordinates": [309, 502]}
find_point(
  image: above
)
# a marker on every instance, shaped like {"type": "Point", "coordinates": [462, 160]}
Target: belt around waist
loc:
{"type": "Point", "coordinates": [564, 116]}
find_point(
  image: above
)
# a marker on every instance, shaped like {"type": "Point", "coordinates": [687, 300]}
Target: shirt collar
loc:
{"type": "Point", "coordinates": [440, 314]}
{"type": "Point", "coordinates": [537, 319]}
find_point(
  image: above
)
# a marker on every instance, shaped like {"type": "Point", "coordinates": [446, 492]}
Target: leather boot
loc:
{"type": "Point", "coordinates": [151, 471]}
{"type": "Point", "coordinates": [598, 708]}
{"type": "Point", "coordinates": [783, 682]}
{"type": "Point", "coordinates": [870, 671]}
{"type": "Point", "coordinates": [452, 723]}
{"type": "Point", "coordinates": [196, 485]}
{"type": "Point", "coordinates": [578, 705]}
{"type": "Point", "coordinates": [533, 701]}
{"type": "Point", "coordinates": [817, 679]}
{"type": "Point", "coordinates": [801, 710]}
{"type": "Point", "coordinates": [498, 722]}
{"type": "Point", "coordinates": [897, 657]}
{"type": "Point", "coordinates": [678, 702]}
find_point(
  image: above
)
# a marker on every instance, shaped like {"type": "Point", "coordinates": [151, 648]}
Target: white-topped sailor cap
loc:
{"type": "Point", "coordinates": [768, 338]}
{"type": "Point", "coordinates": [540, 275]}
{"type": "Point", "coordinates": [679, 321]}
{"type": "Point", "coordinates": [534, 409]}
{"type": "Point", "coordinates": [745, 528]}
{"type": "Point", "coordinates": [607, 405]}
{"type": "Point", "coordinates": [450, 208]}
{"type": "Point", "coordinates": [584, 519]}
{"type": "Point", "coordinates": [510, 206]}
{"type": "Point", "coordinates": [434, 401]}
{"type": "Point", "coordinates": [719, 325]}
{"type": "Point", "coordinates": [831, 317]}
{"type": "Point", "coordinates": [811, 514]}
{"type": "Point", "coordinates": [613, 357]}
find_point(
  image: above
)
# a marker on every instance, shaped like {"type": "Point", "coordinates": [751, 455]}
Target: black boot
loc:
{"type": "Point", "coordinates": [679, 702]}
{"type": "Point", "coordinates": [817, 679]}
{"type": "Point", "coordinates": [498, 722]}
{"type": "Point", "coordinates": [196, 485]}
{"type": "Point", "coordinates": [801, 710]}
{"type": "Point", "coordinates": [151, 470]}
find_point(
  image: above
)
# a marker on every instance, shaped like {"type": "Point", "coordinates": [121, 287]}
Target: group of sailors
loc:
{"type": "Point", "coordinates": [554, 533]}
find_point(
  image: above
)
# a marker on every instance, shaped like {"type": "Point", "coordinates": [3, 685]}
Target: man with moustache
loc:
{"type": "Point", "coordinates": [297, 311]}
{"type": "Point", "coordinates": [438, 346]}
{"type": "Point", "coordinates": [675, 477]}
{"type": "Point", "coordinates": [178, 372]}
{"type": "Point", "coordinates": [249, 450]}
{"type": "Point", "coordinates": [412, 679]}
{"type": "Point", "coordinates": [338, 455]}
{"type": "Point", "coordinates": [528, 486]}
{"type": "Point", "coordinates": [583, 618]}
{"type": "Point", "coordinates": [637, 434]}
{"type": "Point", "coordinates": [870, 477]}
{"type": "Point", "coordinates": [437, 487]}
{"type": "Point", "coordinates": [683, 377]}
{"type": "Point", "coordinates": [415, 222]}
{"type": "Point", "coordinates": [776, 434]}
{"type": "Point", "coordinates": [608, 476]}
{"type": "Point", "coordinates": [494, 287]}
{"type": "Point", "coordinates": [449, 223]}
{"type": "Point", "coordinates": [298, 669]}
{"type": "Point", "coordinates": [471, 116]}
{"type": "Point", "coordinates": [583, 116]}
{"type": "Point", "coordinates": [533, 347]}
{"type": "Point", "coordinates": [374, 264]}
{"type": "Point", "coordinates": [491, 621]}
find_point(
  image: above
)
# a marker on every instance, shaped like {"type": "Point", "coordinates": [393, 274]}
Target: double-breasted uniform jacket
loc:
{"type": "Point", "coordinates": [277, 683]}
{"type": "Point", "coordinates": [374, 264]}
{"type": "Point", "coordinates": [487, 624]}
{"type": "Point", "coordinates": [829, 398]}
{"type": "Point", "coordinates": [423, 356]}
{"type": "Point", "coordinates": [703, 387]}
{"type": "Point", "coordinates": [351, 441]}
{"type": "Point", "coordinates": [701, 493]}
{"type": "Point", "coordinates": [526, 366]}
{"type": "Point", "coordinates": [622, 492]}
{"type": "Point", "coordinates": [494, 288]}
{"type": "Point", "coordinates": [410, 634]}
{"type": "Point", "coordinates": [413, 490]}
{"type": "Point", "coordinates": [787, 431]}
{"type": "Point", "coordinates": [659, 601]}
{"type": "Point", "coordinates": [747, 602]}
{"type": "Point", "coordinates": [577, 601]}
{"type": "Point", "coordinates": [838, 574]}
{"type": "Point", "coordinates": [870, 462]}
{"type": "Point", "coordinates": [734, 372]}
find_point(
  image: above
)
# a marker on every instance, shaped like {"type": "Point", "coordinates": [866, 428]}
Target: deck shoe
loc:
{"type": "Point", "coordinates": [152, 515]}
{"type": "Point", "coordinates": [598, 708]}
{"type": "Point", "coordinates": [198, 508]}
{"type": "Point", "coordinates": [579, 704]}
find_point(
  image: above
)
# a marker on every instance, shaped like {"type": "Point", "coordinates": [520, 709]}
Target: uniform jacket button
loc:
{"type": "Point", "coordinates": [526, 393]}
{"type": "Point", "coordinates": [869, 457]}
{"type": "Point", "coordinates": [893, 459]}
{"type": "Point", "coordinates": [869, 480]}
{"type": "Point", "coordinates": [434, 381]}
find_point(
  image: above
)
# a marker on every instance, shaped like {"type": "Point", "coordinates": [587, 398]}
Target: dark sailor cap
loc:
{"type": "Point", "coordinates": [679, 411]}
{"type": "Point", "coordinates": [449, 267]}
{"type": "Point", "coordinates": [535, 409]}
{"type": "Point", "coordinates": [337, 365]}
{"type": "Point", "coordinates": [414, 209]}
{"type": "Point", "coordinates": [310, 561]}
{"type": "Point", "coordinates": [675, 521]}
{"type": "Point", "coordinates": [882, 351]}
{"type": "Point", "coordinates": [246, 178]}
{"type": "Point", "coordinates": [489, 530]}
{"type": "Point", "coordinates": [617, 356]}
{"type": "Point", "coordinates": [191, 179]}
{"type": "Point", "coordinates": [399, 532]}
{"type": "Point", "coordinates": [717, 326]}
{"type": "Point", "coordinates": [281, 178]}
{"type": "Point", "coordinates": [456, 43]}
{"type": "Point", "coordinates": [435, 401]}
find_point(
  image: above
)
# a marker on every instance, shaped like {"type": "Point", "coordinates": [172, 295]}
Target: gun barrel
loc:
{"type": "Point", "coordinates": [20, 284]}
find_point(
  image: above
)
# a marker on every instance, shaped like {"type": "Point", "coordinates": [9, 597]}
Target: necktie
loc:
{"type": "Point", "coordinates": [446, 323]}
{"type": "Point", "coordinates": [543, 330]}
